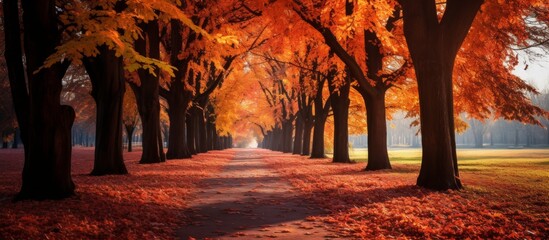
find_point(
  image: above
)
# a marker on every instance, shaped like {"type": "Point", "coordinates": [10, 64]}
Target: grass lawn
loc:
{"type": "Point", "coordinates": [505, 195]}
{"type": "Point", "coordinates": [526, 167]}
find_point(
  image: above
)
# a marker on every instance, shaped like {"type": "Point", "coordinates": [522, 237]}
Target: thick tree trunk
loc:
{"type": "Point", "coordinates": [148, 97]}
{"type": "Point", "coordinates": [177, 113]}
{"type": "Point", "coordinates": [129, 133]}
{"type": "Point", "coordinates": [177, 144]}
{"type": "Point", "coordinates": [433, 46]}
{"type": "Point", "coordinates": [377, 132]}
{"type": "Point", "coordinates": [340, 106]}
{"type": "Point", "coordinates": [47, 167]}
{"type": "Point", "coordinates": [106, 73]}
{"type": "Point", "coordinates": [298, 137]}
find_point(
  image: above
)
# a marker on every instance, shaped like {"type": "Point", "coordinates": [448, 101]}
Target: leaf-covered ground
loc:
{"type": "Point", "coordinates": [503, 198]}
{"type": "Point", "coordinates": [146, 204]}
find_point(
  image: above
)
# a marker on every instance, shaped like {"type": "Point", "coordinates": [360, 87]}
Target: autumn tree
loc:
{"type": "Point", "coordinates": [370, 24]}
{"type": "Point", "coordinates": [36, 97]}
{"type": "Point", "coordinates": [130, 117]}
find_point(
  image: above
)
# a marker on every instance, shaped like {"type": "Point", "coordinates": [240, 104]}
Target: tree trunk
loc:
{"type": "Point", "coordinates": [177, 113]}
{"type": "Point", "coordinates": [106, 73]}
{"type": "Point", "coordinates": [211, 135]}
{"type": "Point", "coordinates": [298, 138]}
{"type": "Point", "coordinates": [318, 138]}
{"type": "Point", "coordinates": [191, 131]}
{"type": "Point", "coordinates": [46, 171]}
{"type": "Point", "coordinates": [377, 132]}
{"type": "Point", "coordinates": [340, 106]}
{"type": "Point", "coordinates": [433, 46]}
{"type": "Point", "coordinates": [287, 130]}
{"type": "Point", "coordinates": [148, 97]}
{"type": "Point", "coordinates": [307, 129]}
{"type": "Point", "coordinates": [129, 134]}
{"type": "Point", "coordinates": [200, 135]}
{"type": "Point", "coordinates": [177, 144]}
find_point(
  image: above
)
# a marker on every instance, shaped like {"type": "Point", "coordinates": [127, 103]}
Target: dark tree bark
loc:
{"type": "Point", "coordinates": [129, 133]}
{"type": "Point", "coordinates": [46, 171]}
{"type": "Point", "coordinates": [106, 73]}
{"type": "Point", "coordinates": [147, 96]}
{"type": "Point", "coordinates": [298, 136]}
{"type": "Point", "coordinates": [340, 106]}
{"type": "Point", "coordinates": [321, 113]}
{"type": "Point", "coordinates": [287, 130]}
{"type": "Point", "coordinates": [191, 131]}
{"type": "Point", "coordinates": [377, 132]}
{"type": "Point", "coordinates": [211, 133]}
{"type": "Point", "coordinates": [433, 46]}
{"type": "Point", "coordinates": [374, 63]}
{"type": "Point", "coordinates": [199, 129]}
{"type": "Point", "coordinates": [307, 129]}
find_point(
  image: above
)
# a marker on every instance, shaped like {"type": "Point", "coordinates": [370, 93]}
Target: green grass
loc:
{"type": "Point", "coordinates": [524, 166]}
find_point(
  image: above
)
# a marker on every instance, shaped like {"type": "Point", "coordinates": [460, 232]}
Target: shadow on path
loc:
{"type": "Point", "coordinates": [249, 200]}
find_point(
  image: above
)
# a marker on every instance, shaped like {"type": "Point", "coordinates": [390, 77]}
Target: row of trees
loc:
{"type": "Point", "coordinates": [285, 66]}
{"type": "Point", "coordinates": [376, 49]}
{"type": "Point", "coordinates": [171, 53]}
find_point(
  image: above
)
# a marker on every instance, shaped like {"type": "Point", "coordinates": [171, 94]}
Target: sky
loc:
{"type": "Point", "coordinates": [537, 72]}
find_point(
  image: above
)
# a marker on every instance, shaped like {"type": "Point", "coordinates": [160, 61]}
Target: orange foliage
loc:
{"type": "Point", "coordinates": [387, 204]}
{"type": "Point", "coordinates": [147, 204]}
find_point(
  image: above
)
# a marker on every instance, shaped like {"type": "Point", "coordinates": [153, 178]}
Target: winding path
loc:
{"type": "Point", "coordinates": [249, 200]}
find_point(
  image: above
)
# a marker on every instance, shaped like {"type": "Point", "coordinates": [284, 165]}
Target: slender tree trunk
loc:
{"type": "Point", "coordinates": [298, 138]}
{"type": "Point", "coordinates": [307, 129]}
{"type": "Point", "coordinates": [191, 131]}
{"type": "Point", "coordinates": [287, 130]}
{"type": "Point", "coordinates": [318, 138]}
{"type": "Point", "coordinates": [340, 106]}
{"type": "Point", "coordinates": [129, 132]}
{"type": "Point", "coordinates": [200, 138]}
{"type": "Point", "coordinates": [106, 73]}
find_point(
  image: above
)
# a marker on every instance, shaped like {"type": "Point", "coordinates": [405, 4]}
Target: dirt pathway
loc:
{"type": "Point", "coordinates": [249, 200]}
